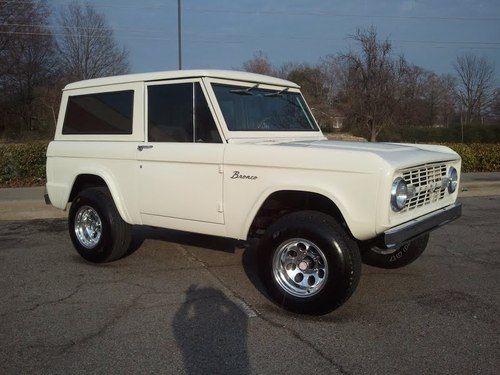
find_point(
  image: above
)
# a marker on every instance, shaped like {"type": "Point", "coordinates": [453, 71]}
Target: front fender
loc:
{"type": "Point", "coordinates": [275, 189]}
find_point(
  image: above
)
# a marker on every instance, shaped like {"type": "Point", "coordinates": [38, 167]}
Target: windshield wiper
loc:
{"type": "Point", "coordinates": [244, 91]}
{"type": "Point", "coordinates": [277, 93]}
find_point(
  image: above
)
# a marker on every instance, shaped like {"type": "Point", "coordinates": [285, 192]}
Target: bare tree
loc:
{"type": "Point", "coordinates": [447, 98]}
{"type": "Point", "coordinates": [313, 85]}
{"type": "Point", "coordinates": [495, 105]}
{"type": "Point", "coordinates": [48, 100]}
{"type": "Point", "coordinates": [27, 60]}
{"type": "Point", "coordinates": [335, 74]}
{"type": "Point", "coordinates": [475, 89]}
{"type": "Point", "coordinates": [260, 64]}
{"type": "Point", "coordinates": [87, 47]}
{"type": "Point", "coordinates": [310, 79]}
{"type": "Point", "coordinates": [371, 93]}
{"type": "Point", "coordinates": [414, 96]}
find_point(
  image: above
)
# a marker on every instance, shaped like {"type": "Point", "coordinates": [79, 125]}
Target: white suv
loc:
{"type": "Point", "coordinates": [240, 155]}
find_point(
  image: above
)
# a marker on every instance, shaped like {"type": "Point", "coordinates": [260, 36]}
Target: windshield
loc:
{"type": "Point", "coordinates": [255, 109]}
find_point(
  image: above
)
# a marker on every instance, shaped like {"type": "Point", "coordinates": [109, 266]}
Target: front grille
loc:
{"type": "Point", "coordinates": [427, 182]}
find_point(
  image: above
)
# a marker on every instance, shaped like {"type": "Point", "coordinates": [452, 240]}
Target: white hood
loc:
{"type": "Point", "coordinates": [398, 155]}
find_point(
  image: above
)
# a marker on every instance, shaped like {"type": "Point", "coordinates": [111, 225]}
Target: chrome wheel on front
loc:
{"type": "Point", "coordinates": [88, 227]}
{"type": "Point", "coordinates": [300, 267]}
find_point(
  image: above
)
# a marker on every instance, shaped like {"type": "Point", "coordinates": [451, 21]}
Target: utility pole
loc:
{"type": "Point", "coordinates": [179, 32]}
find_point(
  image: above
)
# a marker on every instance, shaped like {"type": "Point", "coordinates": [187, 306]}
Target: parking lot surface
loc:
{"type": "Point", "coordinates": [187, 303]}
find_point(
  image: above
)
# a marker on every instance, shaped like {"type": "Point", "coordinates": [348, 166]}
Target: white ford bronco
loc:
{"type": "Point", "coordinates": [240, 155]}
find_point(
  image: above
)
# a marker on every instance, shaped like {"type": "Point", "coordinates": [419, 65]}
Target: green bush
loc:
{"type": "Point", "coordinates": [478, 157]}
{"type": "Point", "coordinates": [472, 134]}
{"type": "Point", "coordinates": [22, 164]}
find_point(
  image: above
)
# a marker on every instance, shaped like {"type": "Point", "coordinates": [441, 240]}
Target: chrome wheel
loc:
{"type": "Point", "coordinates": [300, 267]}
{"type": "Point", "coordinates": [88, 227]}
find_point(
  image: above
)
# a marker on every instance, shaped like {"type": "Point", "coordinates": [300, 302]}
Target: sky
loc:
{"type": "Point", "coordinates": [222, 34]}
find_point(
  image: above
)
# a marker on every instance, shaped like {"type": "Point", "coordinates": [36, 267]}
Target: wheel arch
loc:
{"type": "Point", "coordinates": [275, 203]}
{"type": "Point", "coordinates": [85, 180]}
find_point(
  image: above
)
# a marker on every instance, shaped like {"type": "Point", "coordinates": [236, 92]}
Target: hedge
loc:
{"type": "Point", "coordinates": [451, 134]}
{"type": "Point", "coordinates": [23, 164]}
{"type": "Point", "coordinates": [478, 157]}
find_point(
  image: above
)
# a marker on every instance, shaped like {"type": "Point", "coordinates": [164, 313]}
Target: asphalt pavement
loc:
{"type": "Point", "coordinates": [186, 303]}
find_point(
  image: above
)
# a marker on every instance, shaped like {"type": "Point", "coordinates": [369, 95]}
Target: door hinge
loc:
{"type": "Point", "coordinates": [221, 168]}
{"type": "Point", "coordinates": [220, 208]}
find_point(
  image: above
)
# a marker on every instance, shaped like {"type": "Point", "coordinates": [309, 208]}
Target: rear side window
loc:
{"type": "Point", "coordinates": [100, 113]}
{"type": "Point", "coordinates": [180, 113]}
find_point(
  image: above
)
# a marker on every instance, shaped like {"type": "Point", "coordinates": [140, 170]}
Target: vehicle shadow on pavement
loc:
{"type": "Point", "coordinates": [211, 333]}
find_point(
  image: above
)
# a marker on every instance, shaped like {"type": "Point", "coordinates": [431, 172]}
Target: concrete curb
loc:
{"type": "Point", "coordinates": [28, 203]}
{"type": "Point", "coordinates": [480, 184]}
{"type": "Point", "coordinates": [479, 189]}
{"type": "Point", "coordinates": [29, 210]}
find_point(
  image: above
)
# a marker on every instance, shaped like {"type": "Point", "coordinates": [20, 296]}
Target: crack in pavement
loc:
{"type": "Point", "coordinates": [308, 343]}
{"type": "Point", "coordinates": [101, 331]}
{"type": "Point", "coordinates": [77, 289]}
{"type": "Point", "coordinates": [468, 258]}
{"type": "Point", "coordinates": [46, 303]}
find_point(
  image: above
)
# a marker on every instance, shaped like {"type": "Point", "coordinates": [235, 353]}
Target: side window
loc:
{"type": "Point", "coordinates": [170, 113]}
{"type": "Point", "coordinates": [180, 113]}
{"type": "Point", "coordinates": [205, 129]}
{"type": "Point", "coordinates": [100, 113]}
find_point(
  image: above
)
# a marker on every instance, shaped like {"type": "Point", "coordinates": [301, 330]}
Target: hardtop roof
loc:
{"type": "Point", "coordinates": [179, 74]}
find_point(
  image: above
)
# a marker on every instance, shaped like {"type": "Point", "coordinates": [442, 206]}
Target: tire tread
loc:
{"type": "Point", "coordinates": [351, 255]}
{"type": "Point", "coordinates": [121, 234]}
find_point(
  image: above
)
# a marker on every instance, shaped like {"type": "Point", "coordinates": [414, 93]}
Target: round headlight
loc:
{"type": "Point", "coordinates": [399, 194]}
{"type": "Point", "coordinates": [452, 180]}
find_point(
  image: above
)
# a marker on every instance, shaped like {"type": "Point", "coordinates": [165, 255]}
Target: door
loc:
{"type": "Point", "coordinates": [180, 165]}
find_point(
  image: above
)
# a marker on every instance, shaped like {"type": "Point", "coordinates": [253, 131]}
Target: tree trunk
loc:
{"type": "Point", "coordinates": [462, 131]}
{"type": "Point", "coordinates": [54, 118]}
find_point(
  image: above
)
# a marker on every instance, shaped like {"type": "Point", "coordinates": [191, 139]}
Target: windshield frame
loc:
{"type": "Point", "coordinates": [264, 133]}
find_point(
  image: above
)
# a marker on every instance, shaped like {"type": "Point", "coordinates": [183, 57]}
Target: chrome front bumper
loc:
{"type": "Point", "coordinates": [421, 225]}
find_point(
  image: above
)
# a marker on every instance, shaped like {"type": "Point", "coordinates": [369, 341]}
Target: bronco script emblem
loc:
{"type": "Point", "coordinates": [237, 174]}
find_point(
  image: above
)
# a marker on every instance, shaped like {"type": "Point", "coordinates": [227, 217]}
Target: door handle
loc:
{"type": "Point", "coordinates": [142, 147]}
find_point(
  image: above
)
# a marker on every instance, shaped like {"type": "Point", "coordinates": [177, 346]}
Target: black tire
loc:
{"type": "Point", "coordinates": [398, 258]}
{"type": "Point", "coordinates": [340, 250]}
{"type": "Point", "coordinates": [116, 233]}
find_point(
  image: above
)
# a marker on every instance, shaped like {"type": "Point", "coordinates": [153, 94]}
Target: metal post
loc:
{"type": "Point", "coordinates": [179, 32]}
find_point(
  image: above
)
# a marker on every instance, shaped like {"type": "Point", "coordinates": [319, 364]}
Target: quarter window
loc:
{"type": "Point", "coordinates": [99, 113]}
{"type": "Point", "coordinates": [204, 129]}
{"type": "Point", "coordinates": [180, 113]}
